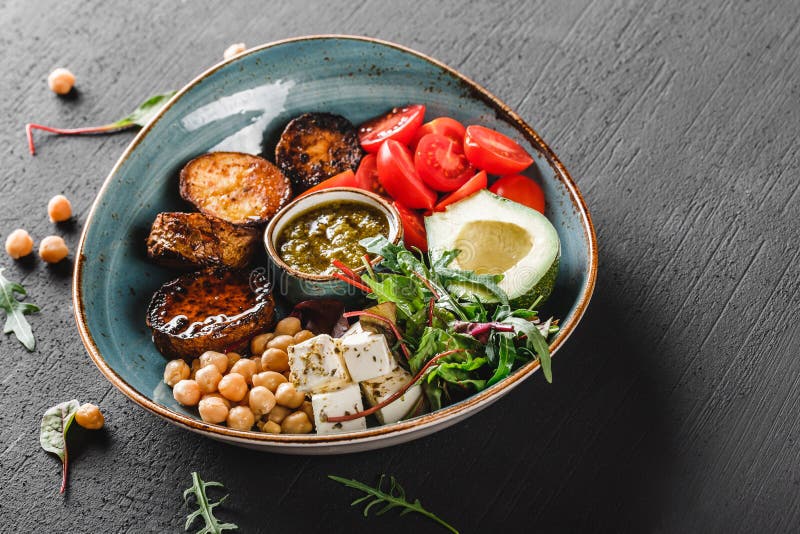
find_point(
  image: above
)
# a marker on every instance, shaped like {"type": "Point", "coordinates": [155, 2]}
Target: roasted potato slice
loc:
{"type": "Point", "coordinates": [194, 240]}
{"type": "Point", "coordinates": [238, 188]}
{"type": "Point", "coordinates": [212, 309]}
{"type": "Point", "coordinates": [316, 146]}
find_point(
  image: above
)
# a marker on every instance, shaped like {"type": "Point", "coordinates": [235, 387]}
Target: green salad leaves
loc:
{"type": "Point", "coordinates": [16, 311]}
{"type": "Point", "coordinates": [53, 434]}
{"type": "Point", "coordinates": [438, 312]}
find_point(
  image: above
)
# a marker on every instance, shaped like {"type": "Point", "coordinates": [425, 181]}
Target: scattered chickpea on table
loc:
{"type": "Point", "coordinates": [243, 393]}
{"type": "Point", "coordinates": [234, 50]}
{"type": "Point", "coordinates": [61, 81]}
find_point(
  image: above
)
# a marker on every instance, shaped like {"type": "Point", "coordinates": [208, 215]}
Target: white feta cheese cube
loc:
{"type": "Point", "coordinates": [355, 328]}
{"type": "Point", "coordinates": [317, 365]}
{"type": "Point", "coordinates": [378, 389]}
{"type": "Point", "coordinates": [366, 355]}
{"type": "Point", "coordinates": [344, 401]}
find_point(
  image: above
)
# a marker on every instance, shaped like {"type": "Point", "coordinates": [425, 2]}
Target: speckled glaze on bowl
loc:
{"type": "Point", "coordinates": [297, 286]}
{"type": "Point", "coordinates": [242, 105]}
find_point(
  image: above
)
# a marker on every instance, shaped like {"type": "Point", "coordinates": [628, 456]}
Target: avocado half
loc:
{"type": "Point", "coordinates": [499, 236]}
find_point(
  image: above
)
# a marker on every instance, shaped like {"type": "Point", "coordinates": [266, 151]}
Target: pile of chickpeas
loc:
{"type": "Point", "coordinates": [245, 392]}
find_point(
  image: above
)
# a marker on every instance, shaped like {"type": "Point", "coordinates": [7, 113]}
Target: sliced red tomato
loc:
{"type": "Point", "coordinates": [400, 124]}
{"type": "Point", "coordinates": [473, 185]}
{"type": "Point", "coordinates": [367, 175]}
{"type": "Point", "coordinates": [413, 228]}
{"type": "Point", "coordinates": [441, 163]}
{"type": "Point", "coordinates": [443, 126]}
{"type": "Point", "coordinates": [343, 179]}
{"type": "Point", "coordinates": [520, 189]}
{"type": "Point", "coordinates": [494, 152]}
{"type": "Point", "coordinates": [399, 177]}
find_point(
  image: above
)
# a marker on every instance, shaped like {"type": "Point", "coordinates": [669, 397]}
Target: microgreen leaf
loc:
{"type": "Point", "coordinates": [53, 435]}
{"type": "Point", "coordinates": [16, 311]}
{"type": "Point", "coordinates": [146, 111]}
{"type": "Point", "coordinates": [205, 508]}
{"type": "Point", "coordinates": [395, 497]}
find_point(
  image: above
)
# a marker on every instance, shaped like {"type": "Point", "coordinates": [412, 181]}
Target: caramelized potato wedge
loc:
{"type": "Point", "coordinates": [194, 240]}
{"type": "Point", "coordinates": [316, 146]}
{"type": "Point", "coordinates": [238, 188]}
{"type": "Point", "coordinates": [212, 309]}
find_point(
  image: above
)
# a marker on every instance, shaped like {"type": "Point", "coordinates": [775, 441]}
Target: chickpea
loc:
{"type": "Point", "coordinates": [195, 367]}
{"type": "Point", "coordinates": [233, 387]}
{"type": "Point", "coordinates": [175, 371]}
{"type": "Point", "coordinates": [278, 413]}
{"type": "Point", "coordinates": [241, 418]}
{"type": "Point", "coordinates": [257, 360]}
{"type": "Point", "coordinates": [245, 367]}
{"type": "Point", "coordinates": [269, 379]}
{"type": "Point", "coordinates": [208, 378]}
{"type": "Point", "coordinates": [287, 396]}
{"type": "Point", "coordinates": [296, 423]}
{"type": "Point", "coordinates": [308, 409]}
{"type": "Point", "coordinates": [233, 357]}
{"type": "Point", "coordinates": [61, 81]}
{"type": "Point", "coordinates": [187, 392]}
{"type": "Point", "coordinates": [271, 427]}
{"type": "Point", "coordinates": [90, 417]}
{"type": "Point", "coordinates": [259, 343]}
{"type": "Point", "coordinates": [275, 360]}
{"type": "Point", "coordinates": [234, 50]}
{"type": "Point", "coordinates": [211, 357]}
{"type": "Point", "coordinates": [213, 409]}
{"type": "Point", "coordinates": [245, 400]}
{"type": "Point", "coordinates": [217, 396]}
{"type": "Point", "coordinates": [52, 249]}
{"type": "Point", "coordinates": [19, 244]}
{"type": "Point", "coordinates": [59, 209]}
{"type": "Point", "coordinates": [280, 342]}
{"type": "Point", "coordinates": [261, 400]}
{"type": "Point", "coordinates": [288, 326]}
{"type": "Point", "coordinates": [303, 335]}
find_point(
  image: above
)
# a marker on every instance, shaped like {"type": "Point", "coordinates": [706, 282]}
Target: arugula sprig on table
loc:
{"type": "Point", "coordinates": [393, 497]}
{"type": "Point", "coordinates": [16, 311]}
{"type": "Point", "coordinates": [438, 312]}
{"type": "Point", "coordinates": [205, 508]}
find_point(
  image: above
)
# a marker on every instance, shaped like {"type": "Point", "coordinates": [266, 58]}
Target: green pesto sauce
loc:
{"type": "Point", "coordinates": [312, 240]}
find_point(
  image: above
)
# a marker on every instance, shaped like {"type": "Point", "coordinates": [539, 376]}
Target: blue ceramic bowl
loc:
{"type": "Point", "coordinates": [243, 105]}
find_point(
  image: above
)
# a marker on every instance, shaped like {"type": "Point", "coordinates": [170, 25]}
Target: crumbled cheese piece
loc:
{"type": "Point", "coordinates": [366, 355]}
{"type": "Point", "coordinates": [380, 388]}
{"type": "Point", "coordinates": [317, 365]}
{"type": "Point", "coordinates": [345, 401]}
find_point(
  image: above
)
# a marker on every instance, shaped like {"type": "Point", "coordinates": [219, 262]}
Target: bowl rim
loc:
{"type": "Point", "coordinates": [416, 424]}
{"type": "Point", "coordinates": [268, 236]}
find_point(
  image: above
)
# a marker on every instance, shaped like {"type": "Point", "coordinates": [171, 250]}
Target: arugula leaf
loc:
{"type": "Point", "coordinates": [394, 497]}
{"type": "Point", "coordinates": [16, 311]}
{"type": "Point", "coordinates": [205, 507]}
{"type": "Point", "coordinates": [53, 434]}
{"type": "Point", "coordinates": [534, 341]}
{"type": "Point", "coordinates": [501, 346]}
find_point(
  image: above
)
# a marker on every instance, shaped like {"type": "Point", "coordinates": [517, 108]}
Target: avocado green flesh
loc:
{"type": "Point", "coordinates": [498, 236]}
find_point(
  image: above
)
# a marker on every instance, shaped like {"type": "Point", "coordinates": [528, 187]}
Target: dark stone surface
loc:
{"type": "Point", "coordinates": [674, 407]}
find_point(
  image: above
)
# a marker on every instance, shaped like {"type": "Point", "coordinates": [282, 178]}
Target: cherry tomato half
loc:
{"type": "Point", "coordinates": [413, 228]}
{"type": "Point", "coordinates": [399, 177]}
{"type": "Point", "coordinates": [473, 185]}
{"type": "Point", "coordinates": [367, 175]}
{"type": "Point", "coordinates": [343, 179]}
{"type": "Point", "coordinates": [443, 126]}
{"type": "Point", "coordinates": [493, 152]}
{"type": "Point", "coordinates": [441, 163]}
{"type": "Point", "coordinates": [400, 124]}
{"type": "Point", "coordinates": [520, 189]}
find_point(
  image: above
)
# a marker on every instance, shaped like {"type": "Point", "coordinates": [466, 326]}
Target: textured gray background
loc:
{"type": "Point", "coordinates": [675, 403]}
